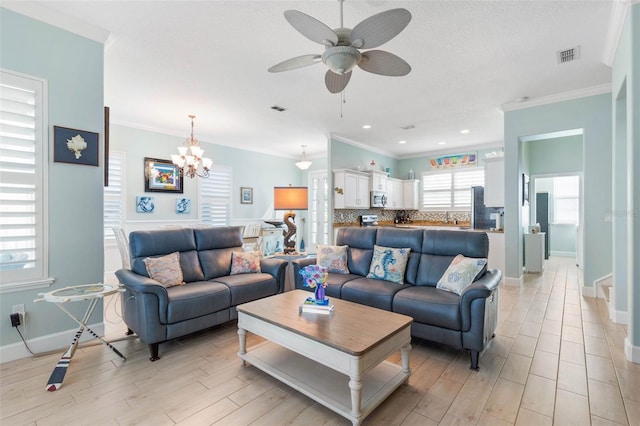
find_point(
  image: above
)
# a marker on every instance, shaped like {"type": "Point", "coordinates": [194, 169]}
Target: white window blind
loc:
{"type": "Point", "coordinates": [23, 155]}
{"type": "Point", "coordinates": [566, 199]}
{"type": "Point", "coordinates": [216, 196]}
{"type": "Point", "coordinates": [113, 194]}
{"type": "Point", "coordinates": [450, 190]}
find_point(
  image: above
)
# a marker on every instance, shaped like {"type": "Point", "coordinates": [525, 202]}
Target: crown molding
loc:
{"type": "Point", "coordinates": [57, 19]}
{"type": "Point", "coordinates": [616, 25]}
{"type": "Point", "coordinates": [558, 97]}
{"type": "Point", "coordinates": [362, 146]}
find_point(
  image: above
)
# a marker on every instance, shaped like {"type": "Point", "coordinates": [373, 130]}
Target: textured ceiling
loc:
{"type": "Point", "coordinates": [166, 60]}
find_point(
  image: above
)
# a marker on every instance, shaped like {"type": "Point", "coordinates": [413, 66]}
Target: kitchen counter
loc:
{"type": "Point", "coordinates": [460, 226]}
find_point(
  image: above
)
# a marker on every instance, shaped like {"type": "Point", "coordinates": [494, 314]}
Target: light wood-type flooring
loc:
{"type": "Point", "coordinates": [556, 359]}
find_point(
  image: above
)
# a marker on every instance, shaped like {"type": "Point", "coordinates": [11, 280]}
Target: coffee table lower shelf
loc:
{"type": "Point", "coordinates": [323, 384]}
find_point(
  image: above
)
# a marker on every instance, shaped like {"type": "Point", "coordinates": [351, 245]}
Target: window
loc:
{"type": "Point", "coordinates": [113, 195]}
{"type": "Point", "coordinates": [450, 190]}
{"type": "Point", "coordinates": [215, 196]}
{"type": "Point", "coordinates": [566, 199]}
{"type": "Point", "coordinates": [23, 168]}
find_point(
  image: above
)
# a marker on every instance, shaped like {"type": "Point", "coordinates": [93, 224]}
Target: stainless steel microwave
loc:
{"type": "Point", "coordinates": [378, 199]}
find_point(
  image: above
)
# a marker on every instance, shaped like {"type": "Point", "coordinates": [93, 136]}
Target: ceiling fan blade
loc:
{"type": "Point", "coordinates": [311, 28]}
{"type": "Point", "coordinates": [297, 62]}
{"type": "Point", "coordinates": [384, 63]}
{"type": "Point", "coordinates": [336, 82]}
{"type": "Point", "coordinates": [380, 28]}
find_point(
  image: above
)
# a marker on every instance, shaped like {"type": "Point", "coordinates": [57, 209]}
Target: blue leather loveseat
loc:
{"type": "Point", "coordinates": [209, 294]}
{"type": "Point", "coordinates": [465, 321]}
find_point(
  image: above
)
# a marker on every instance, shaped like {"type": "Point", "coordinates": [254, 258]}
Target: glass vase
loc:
{"type": "Point", "coordinates": [319, 294]}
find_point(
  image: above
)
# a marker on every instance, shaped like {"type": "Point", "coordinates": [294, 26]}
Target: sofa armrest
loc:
{"type": "Point", "coordinates": [277, 269]}
{"type": "Point", "coordinates": [141, 285]}
{"type": "Point", "coordinates": [298, 264]}
{"type": "Point", "coordinates": [480, 289]}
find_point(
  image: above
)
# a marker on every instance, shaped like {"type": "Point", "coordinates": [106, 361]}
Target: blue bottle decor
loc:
{"type": "Point", "coordinates": [319, 294]}
{"type": "Point", "coordinates": [302, 244]}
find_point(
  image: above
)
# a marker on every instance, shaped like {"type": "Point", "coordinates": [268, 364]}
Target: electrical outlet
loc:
{"type": "Point", "coordinates": [17, 309]}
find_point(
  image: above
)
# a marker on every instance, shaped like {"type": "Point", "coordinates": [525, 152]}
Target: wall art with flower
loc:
{"type": "Point", "coordinates": [162, 176]}
{"type": "Point", "coordinates": [75, 146]}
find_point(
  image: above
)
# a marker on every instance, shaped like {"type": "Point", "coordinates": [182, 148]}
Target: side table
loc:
{"type": "Point", "coordinates": [289, 281]}
{"type": "Point", "coordinates": [91, 292]}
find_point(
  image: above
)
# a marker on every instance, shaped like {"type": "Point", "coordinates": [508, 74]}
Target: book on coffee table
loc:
{"type": "Point", "coordinates": [316, 309]}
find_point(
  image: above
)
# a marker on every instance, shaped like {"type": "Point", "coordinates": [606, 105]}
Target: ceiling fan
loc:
{"type": "Point", "coordinates": [342, 46]}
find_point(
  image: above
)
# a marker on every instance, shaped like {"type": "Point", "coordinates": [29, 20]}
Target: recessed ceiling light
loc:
{"type": "Point", "coordinates": [402, 142]}
{"type": "Point", "coordinates": [441, 143]}
{"type": "Point", "coordinates": [464, 131]}
{"type": "Point", "coordinates": [366, 126]}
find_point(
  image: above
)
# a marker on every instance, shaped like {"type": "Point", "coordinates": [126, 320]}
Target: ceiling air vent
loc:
{"type": "Point", "coordinates": [569, 55]}
{"type": "Point", "coordinates": [408, 127]}
{"type": "Point", "coordinates": [278, 108]}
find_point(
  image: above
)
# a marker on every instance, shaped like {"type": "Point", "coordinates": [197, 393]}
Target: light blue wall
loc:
{"type": "Point", "coordinates": [250, 169]}
{"type": "Point", "coordinates": [626, 186]}
{"type": "Point", "coordinates": [593, 115]}
{"type": "Point", "coordinates": [73, 67]}
{"type": "Point", "coordinates": [553, 156]}
{"type": "Point", "coordinates": [347, 156]}
{"type": "Point", "coordinates": [421, 163]}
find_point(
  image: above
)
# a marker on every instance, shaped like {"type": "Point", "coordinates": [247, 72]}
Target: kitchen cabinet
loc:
{"type": "Point", "coordinates": [395, 194]}
{"type": "Point", "coordinates": [351, 189]}
{"type": "Point", "coordinates": [378, 181]}
{"type": "Point", "coordinates": [534, 252]}
{"type": "Point", "coordinates": [494, 182]}
{"type": "Point", "coordinates": [411, 194]}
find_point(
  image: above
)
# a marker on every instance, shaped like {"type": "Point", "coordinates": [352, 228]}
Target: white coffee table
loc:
{"type": "Point", "coordinates": [337, 360]}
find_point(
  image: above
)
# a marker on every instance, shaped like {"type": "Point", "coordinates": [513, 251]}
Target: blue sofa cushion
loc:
{"type": "Point", "coordinates": [429, 305]}
{"type": "Point", "coordinates": [196, 299]}
{"type": "Point", "coordinates": [360, 252]}
{"type": "Point", "coordinates": [439, 249]}
{"type": "Point", "coordinates": [370, 292]}
{"type": "Point", "coordinates": [247, 287]}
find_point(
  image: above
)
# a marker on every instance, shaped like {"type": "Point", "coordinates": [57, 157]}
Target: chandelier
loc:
{"type": "Point", "coordinates": [190, 159]}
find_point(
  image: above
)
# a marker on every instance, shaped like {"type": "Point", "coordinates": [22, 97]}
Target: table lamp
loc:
{"type": "Point", "coordinates": [290, 198]}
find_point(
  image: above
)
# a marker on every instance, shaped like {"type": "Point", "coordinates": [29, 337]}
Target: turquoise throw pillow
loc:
{"type": "Point", "coordinates": [389, 264]}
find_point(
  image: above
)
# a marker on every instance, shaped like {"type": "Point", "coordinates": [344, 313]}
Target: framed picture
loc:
{"type": "Point", "coordinates": [162, 176]}
{"type": "Point", "coordinates": [75, 146]}
{"type": "Point", "coordinates": [145, 204]}
{"type": "Point", "coordinates": [183, 205]}
{"type": "Point", "coordinates": [246, 195]}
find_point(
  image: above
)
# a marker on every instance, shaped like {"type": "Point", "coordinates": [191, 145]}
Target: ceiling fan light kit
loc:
{"type": "Point", "coordinates": [342, 46]}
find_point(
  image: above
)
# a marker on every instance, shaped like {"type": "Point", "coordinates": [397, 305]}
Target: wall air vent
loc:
{"type": "Point", "coordinates": [278, 108]}
{"type": "Point", "coordinates": [569, 55]}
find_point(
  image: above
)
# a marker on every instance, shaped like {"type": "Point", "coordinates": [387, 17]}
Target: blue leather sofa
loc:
{"type": "Point", "coordinates": [466, 322]}
{"type": "Point", "coordinates": [210, 294]}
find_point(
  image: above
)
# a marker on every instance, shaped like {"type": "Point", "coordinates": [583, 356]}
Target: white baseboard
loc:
{"type": "Point", "coordinates": [48, 343]}
{"type": "Point", "coordinates": [618, 317]}
{"type": "Point", "coordinates": [588, 291]}
{"type": "Point", "coordinates": [606, 280]}
{"type": "Point", "coordinates": [631, 352]}
{"type": "Point", "coordinates": [514, 281]}
{"type": "Point", "coordinates": [563, 254]}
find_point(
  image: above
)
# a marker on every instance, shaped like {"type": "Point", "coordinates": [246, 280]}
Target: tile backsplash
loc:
{"type": "Point", "coordinates": [351, 216]}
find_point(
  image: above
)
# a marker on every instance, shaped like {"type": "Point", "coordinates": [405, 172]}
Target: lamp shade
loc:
{"type": "Point", "coordinates": [290, 198]}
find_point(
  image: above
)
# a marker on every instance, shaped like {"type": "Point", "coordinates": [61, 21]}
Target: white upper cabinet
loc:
{"type": "Point", "coordinates": [378, 181]}
{"type": "Point", "coordinates": [351, 189]}
{"type": "Point", "coordinates": [411, 194]}
{"type": "Point", "coordinates": [395, 194]}
{"type": "Point", "coordinates": [494, 182]}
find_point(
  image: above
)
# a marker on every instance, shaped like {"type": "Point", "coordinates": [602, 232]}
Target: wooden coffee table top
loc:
{"type": "Point", "coordinates": [352, 328]}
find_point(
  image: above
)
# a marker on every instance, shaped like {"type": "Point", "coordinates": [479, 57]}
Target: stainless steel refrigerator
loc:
{"type": "Point", "coordinates": [481, 214]}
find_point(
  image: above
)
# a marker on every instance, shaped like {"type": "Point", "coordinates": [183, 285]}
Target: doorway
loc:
{"type": "Point", "coordinates": [556, 207]}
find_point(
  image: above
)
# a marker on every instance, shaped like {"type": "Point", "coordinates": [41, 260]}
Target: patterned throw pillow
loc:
{"type": "Point", "coordinates": [461, 273]}
{"type": "Point", "coordinates": [334, 258]}
{"type": "Point", "coordinates": [389, 264]}
{"type": "Point", "coordinates": [245, 262]}
{"type": "Point", "coordinates": [166, 269]}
